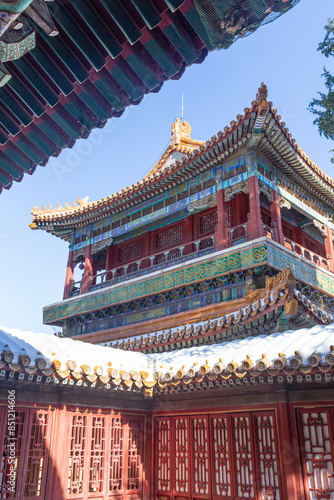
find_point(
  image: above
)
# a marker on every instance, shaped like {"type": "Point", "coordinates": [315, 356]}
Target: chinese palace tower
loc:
{"type": "Point", "coordinates": [197, 355]}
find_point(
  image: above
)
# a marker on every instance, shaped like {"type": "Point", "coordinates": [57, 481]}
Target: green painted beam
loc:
{"type": "Point", "coordinates": [17, 110]}
{"type": "Point", "coordinates": [125, 79]}
{"type": "Point", "coordinates": [51, 131]}
{"type": "Point", "coordinates": [100, 30]}
{"type": "Point", "coordinates": [64, 85]}
{"type": "Point", "coordinates": [162, 57]}
{"type": "Point", "coordinates": [79, 114]}
{"type": "Point", "coordinates": [143, 70]}
{"type": "Point", "coordinates": [195, 21]}
{"type": "Point", "coordinates": [36, 81]}
{"type": "Point", "coordinates": [174, 4]}
{"type": "Point", "coordinates": [181, 42]}
{"type": "Point", "coordinates": [77, 35]}
{"type": "Point", "coordinates": [148, 12]}
{"type": "Point", "coordinates": [62, 120]}
{"type": "Point", "coordinates": [10, 167]}
{"type": "Point", "coordinates": [26, 165]}
{"type": "Point", "coordinates": [11, 127]}
{"type": "Point", "coordinates": [69, 59]}
{"type": "Point", "coordinates": [41, 143]}
{"type": "Point", "coordinates": [29, 150]}
{"type": "Point", "coordinates": [110, 92]}
{"type": "Point", "coordinates": [122, 19]}
{"type": "Point", "coordinates": [26, 96]}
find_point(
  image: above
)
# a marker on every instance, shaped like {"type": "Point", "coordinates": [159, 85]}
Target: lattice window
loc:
{"type": "Point", "coordinates": [208, 223]}
{"type": "Point", "coordinates": [221, 458]}
{"type": "Point", "coordinates": [129, 252]}
{"type": "Point", "coordinates": [267, 458]}
{"type": "Point", "coordinates": [135, 441]}
{"type": "Point", "coordinates": [97, 454]}
{"type": "Point", "coordinates": [181, 455]}
{"type": "Point", "coordinates": [243, 457]}
{"type": "Point", "coordinates": [287, 232]}
{"type": "Point", "coordinates": [266, 219]}
{"type": "Point", "coordinates": [163, 455]}
{"type": "Point", "coordinates": [133, 268]}
{"type": "Point", "coordinates": [77, 454]}
{"type": "Point", "coordinates": [36, 466]}
{"type": "Point", "coordinates": [159, 259]}
{"type": "Point", "coordinates": [311, 246]}
{"type": "Point", "coordinates": [317, 438]}
{"type": "Point", "coordinates": [201, 456]}
{"type": "Point", "coordinates": [117, 454]}
{"type": "Point", "coordinates": [207, 243]}
{"type": "Point", "coordinates": [169, 238]}
{"type": "Point", "coordinates": [14, 468]}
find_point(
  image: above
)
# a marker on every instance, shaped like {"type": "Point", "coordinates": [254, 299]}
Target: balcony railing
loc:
{"type": "Point", "coordinates": [171, 257]}
{"type": "Point", "coordinates": [307, 254]}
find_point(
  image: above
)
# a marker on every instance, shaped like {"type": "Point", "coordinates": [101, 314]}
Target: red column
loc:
{"type": "Point", "coordinates": [276, 218]}
{"type": "Point", "coordinates": [329, 249]}
{"type": "Point", "coordinates": [222, 234]}
{"type": "Point", "coordinates": [289, 451]}
{"type": "Point", "coordinates": [110, 261]}
{"type": "Point", "coordinates": [69, 275]}
{"type": "Point", "coordinates": [85, 282]}
{"type": "Point", "coordinates": [241, 208]}
{"type": "Point", "coordinates": [299, 236]}
{"type": "Point", "coordinates": [254, 224]}
{"type": "Point", "coordinates": [187, 234]}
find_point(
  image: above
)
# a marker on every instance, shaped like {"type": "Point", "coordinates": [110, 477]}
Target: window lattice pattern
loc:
{"type": "Point", "coordinates": [37, 454]}
{"type": "Point", "coordinates": [287, 232]}
{"type": "Point", "coordinates": [129, 252]}
{"type": "Point", "coordinates": [77, 454]}
{"type": "Point", "coordinates": [97, 454]}
{"type": "Point", "coordinates": [317, 448]}
{"type": "Point", "coordinates": [208, 223]}
{"type": "Point", "coordinates": [229, 456]}
{"type": "Point", "coordinates": [116, 455]}
{"type": "Point", "coordinates": [168, 238]}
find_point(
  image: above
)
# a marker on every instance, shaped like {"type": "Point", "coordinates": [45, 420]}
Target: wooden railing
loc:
{"type": "Point", "coordinates": [162, 260]}
{"type": "Point", "coordinates": [307, 254]}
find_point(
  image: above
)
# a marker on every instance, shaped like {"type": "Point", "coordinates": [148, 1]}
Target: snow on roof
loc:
{"type": "Point", "coordinates": [41, 345]}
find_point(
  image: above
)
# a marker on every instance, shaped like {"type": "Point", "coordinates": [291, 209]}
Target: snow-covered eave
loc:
{"type": "Point", "coordinates": [41, 358]}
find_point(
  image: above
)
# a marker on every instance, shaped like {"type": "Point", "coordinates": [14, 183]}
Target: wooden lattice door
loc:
{"type": "Point", "coordinates": [213, 457]}
{"type": "Point", "coordinates": [317, 452]}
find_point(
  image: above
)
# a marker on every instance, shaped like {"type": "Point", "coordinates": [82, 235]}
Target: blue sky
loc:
{"type": "Point", "coordinates": [282, 54]}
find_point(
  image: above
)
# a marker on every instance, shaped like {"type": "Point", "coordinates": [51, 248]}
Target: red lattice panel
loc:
{"type": "Point", "coordinates": [181, 427]}
{"type": "Point", "coordinates": [77, 454]}
{"type": "Point", "coordinates": [243, 456]}
{"type": "Point", "coordinates": [21, 422]}
{"type": "Point", "coordinates": [116, 454]}
{"type": "Point", "coordinates": [267, 456]}
{"type": "Point", "coordinates": [129, 252]}
{"type": "Point", "coordinates": [97, 454]}
{"type": "Point", "coordinates": [169, 238]}
{"type": "Point", "coordinates": [163, 454]}
{"type": "Point", "coordinates": [316, 437]}
{"type": "Point", "coordinates": [135, 445]}
{"type": "Point", "coordinates": [221, 460]}
{"type": "Point", "coordinates": [37, 453]}
{"type": "Point", "coordinates": [200, 440]}
{"type": "Point", "coordinates": [208, 223]}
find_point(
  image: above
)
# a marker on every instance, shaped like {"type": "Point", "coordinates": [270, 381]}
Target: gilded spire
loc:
{"type": "Point", "coordinates": [262, 93]}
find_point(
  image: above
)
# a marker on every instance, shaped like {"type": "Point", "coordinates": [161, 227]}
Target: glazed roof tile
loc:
{"type": "Point", "coordinates": [275, 142]}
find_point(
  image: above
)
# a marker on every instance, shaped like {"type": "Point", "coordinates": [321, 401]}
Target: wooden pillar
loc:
{"type": "Point", "coordinates": [85, 282]}
{"type": "Point", "coordinates": [148, 472]}
{"type": "Point", "coordinates": [254, 224]}
{"type": "Point", "coordinates": [241, 208]}
{"type": "Point", "coordinates": [109, 261]}
{"type": "Point", "coordinates": [329, 249]}
{"type": "Point", "coordinates": [289, 452]}
{"type": "Point", "coordinates": [298, 234]}
{"type": "Point", "coordinates": [187, 234]}
{"type": "Point", "coordinates": [222, 233]}
{"type": "Point", "coordinates": [276, 218]}
{"type": "Point", "coordinates": [69, 275]}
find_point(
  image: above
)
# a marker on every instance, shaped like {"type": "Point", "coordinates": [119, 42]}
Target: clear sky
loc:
{"type": "Point", "coordinates": [282, 54]}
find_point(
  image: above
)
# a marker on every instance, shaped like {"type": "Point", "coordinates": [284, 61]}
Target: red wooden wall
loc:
{"type": "Point", "coordinates": [64, 454]}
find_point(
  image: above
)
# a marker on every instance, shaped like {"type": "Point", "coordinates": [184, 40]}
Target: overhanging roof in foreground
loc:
{"type": "Point", "coordinates": [305, 355]}
{"type": "Point", "coordinates": [107, 56]}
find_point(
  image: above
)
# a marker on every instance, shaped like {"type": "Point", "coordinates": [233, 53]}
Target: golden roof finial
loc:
{"type": "Point", "coordinates": [180, 131]}
{"type": "Point", "coordinates": [262, 92]}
